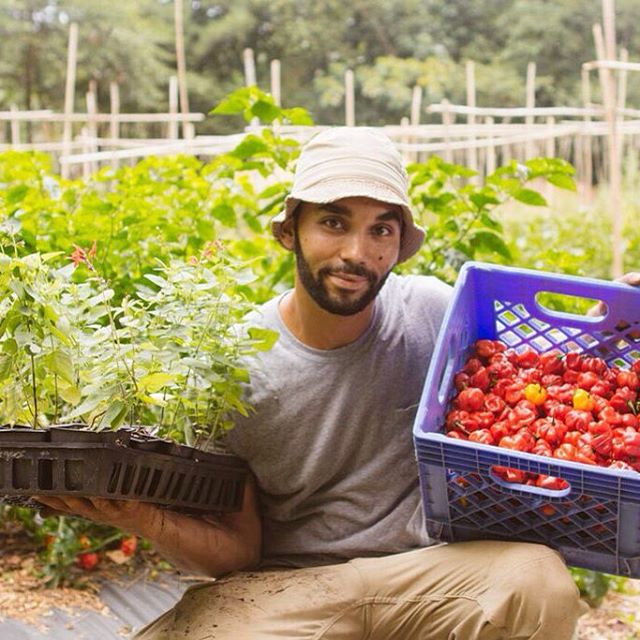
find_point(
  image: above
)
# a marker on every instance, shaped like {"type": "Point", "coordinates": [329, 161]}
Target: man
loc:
{"type": "Point", "coordinates": [338, 543]}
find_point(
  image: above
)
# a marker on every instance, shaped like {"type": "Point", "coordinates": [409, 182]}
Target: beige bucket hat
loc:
{"type": "Point", "coordinates": [344, 162]}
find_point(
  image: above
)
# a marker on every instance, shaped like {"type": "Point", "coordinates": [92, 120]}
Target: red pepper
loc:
{"type": "Point", "coordinates": [551, 482]}
{"type": "Point", "coordinates": [485, 348]}
{"type": "Point", "coordinates": [628, 379]}
{"type": "Point", "coordinates": [565, 451]}
{"type": "Point", "coordinates": [632, 444]}
{"type": "Point", "coordinates": [483, 436]}
{"type": "Point", "coordinates": [471, 399]}
{"type": "Point", "coordinates": [494, 403]}
{"type": "Point", "coordinates": [480, 379]}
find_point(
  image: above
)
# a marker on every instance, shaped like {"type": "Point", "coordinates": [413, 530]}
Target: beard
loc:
{"type": "Point", "coordinates": [342, 303]}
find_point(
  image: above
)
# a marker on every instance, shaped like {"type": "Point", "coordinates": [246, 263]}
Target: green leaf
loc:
{"type": "Point", "coordinates": [6, 365]}
{"type": "Point", "coordinates": [16, 194]}
{"type": "Point", "coordinates": [266, 111]}
{"type": "Point", "coordinates": [562, 181]}
{"type": "Point", "coordinates": [113, 416]}
{"type": "Point", "coordinates": [70, 393]}
{"type": "Point", "coordinates": [264, 339]}
{"type": "Point", "coordinates": [490, 241]}
{"type": "Point", "coordinates": [155, 381]}
{"type": "Point", "coordinates": [59, 363]}
{"type": "Point", "coordinates": [530, 197]}
{"type": "Point", "coordinates": [250, 146]}
{"type": "Point", "coordinates": [157, 280]}
{"type": "Point", "coordinates": [481, 199]}
{"type": "Point", "coordinates": [233, 104]}
{"type": "Point", "coordinates": [298, 116]}
{"type": "Point", "coordinates": [225, 213]}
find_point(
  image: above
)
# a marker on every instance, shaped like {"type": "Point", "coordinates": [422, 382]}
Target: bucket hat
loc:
{"type": "Point", "coordinates": [344, 162]}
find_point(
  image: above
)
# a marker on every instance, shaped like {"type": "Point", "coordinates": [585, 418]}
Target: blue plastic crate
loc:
{"type": "Point", "coordinates": [595, 521]}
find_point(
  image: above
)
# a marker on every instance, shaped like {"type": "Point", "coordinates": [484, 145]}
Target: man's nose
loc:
{"type": "Point", "coordinates": [354, 248]}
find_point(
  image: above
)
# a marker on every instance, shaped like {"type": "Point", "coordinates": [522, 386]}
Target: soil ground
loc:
{"type": "Point", "coordinates": [23, 596]}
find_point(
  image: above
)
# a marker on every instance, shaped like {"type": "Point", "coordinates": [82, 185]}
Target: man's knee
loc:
{"type": "Point", "coordinates": [537, 598]}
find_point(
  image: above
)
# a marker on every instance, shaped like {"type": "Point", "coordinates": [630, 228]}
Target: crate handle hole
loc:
{"type": "Point", "coordinates": [495, 475]}
{"type": "Point", "coordinates": [570, 306]}
{"type": "Point", "coordinates": [448, 370]}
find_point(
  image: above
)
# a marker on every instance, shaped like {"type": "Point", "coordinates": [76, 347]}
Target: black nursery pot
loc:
{"type": "Point", "coordinates": [122, 464]}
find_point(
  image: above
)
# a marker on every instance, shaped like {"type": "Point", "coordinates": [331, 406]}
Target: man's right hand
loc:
{"type": "Point", "coordinates": [209, 545]}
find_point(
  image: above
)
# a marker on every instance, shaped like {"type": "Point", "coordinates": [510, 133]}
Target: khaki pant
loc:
{"type": "Point", "coordinates": [483, 590]}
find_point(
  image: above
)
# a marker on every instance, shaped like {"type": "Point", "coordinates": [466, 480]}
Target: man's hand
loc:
{"type": "Point", "coordinates": [632, 278]}
{"type": "Point", "coordinates": [209, 544]}
{"type": "Point", "coordinates": [129, 515]}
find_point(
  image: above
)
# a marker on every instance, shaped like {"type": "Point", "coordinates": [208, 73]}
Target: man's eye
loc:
{"type": "Point", "coordinates": [383, 231]}
{"type": "Point", "coordinates": [332, 223]}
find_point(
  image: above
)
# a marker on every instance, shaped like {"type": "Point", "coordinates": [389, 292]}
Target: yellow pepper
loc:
{"type": "Point", "coordinates": [582, 400]}
{"type": "Point", "coordinates": [535, 393]}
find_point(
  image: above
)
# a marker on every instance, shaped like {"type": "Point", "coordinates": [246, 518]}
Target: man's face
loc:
{"type": "Point", "coordinates": [345, 250]}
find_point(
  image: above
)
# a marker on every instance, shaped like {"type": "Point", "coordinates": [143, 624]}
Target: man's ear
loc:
{"type": "Point", "coordinates": [286, 234]}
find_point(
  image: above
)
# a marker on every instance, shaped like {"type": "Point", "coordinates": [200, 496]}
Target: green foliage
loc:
{"type": "Point", "coordinates": [168, 355]}
{"type": "Point", "coordinates": [59, 540]}
{"type": "Point", "coordinates": [391, 46]}
{"type": "Point", "coordinates": [461, 217]}
{"type": "Point", "coordinates": [594, 586]}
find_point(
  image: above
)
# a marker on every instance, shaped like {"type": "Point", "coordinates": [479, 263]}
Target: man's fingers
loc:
{"type": "Point", "coordinates": [68, 505]}
{"type": "Point", "coordinates": [632, 278]}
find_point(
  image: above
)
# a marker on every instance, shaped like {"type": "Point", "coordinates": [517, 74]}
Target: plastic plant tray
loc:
{"type": "Point", "coordinates": [123, 465]}
{"type": "Point", "coordinates": [595, 521]}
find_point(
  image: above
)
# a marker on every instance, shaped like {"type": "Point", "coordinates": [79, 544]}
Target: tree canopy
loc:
{"type": "Point", "coordinates": [391, 46]}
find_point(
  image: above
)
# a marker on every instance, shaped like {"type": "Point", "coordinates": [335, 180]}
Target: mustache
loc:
{"type": "Point", "coordinates": [348, 268]}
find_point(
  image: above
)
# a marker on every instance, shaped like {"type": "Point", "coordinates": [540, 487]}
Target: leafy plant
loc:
{"type": "Point", "coordinates": [167, 356]}
{"type": "Point", "coordinates": [461, 217]}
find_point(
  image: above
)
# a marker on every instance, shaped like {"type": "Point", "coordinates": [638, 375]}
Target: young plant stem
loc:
{"type": "Point", "coordinates": [34, 391]}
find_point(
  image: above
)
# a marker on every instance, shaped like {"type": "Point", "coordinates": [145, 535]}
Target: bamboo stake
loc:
{"type": "Point", "coordinates": [550, 152]}
{"type": "Point", "coordinates": [69, 93]}
{"type": "Point", "coordinates": [349, 99]}
{"type": "Point", "coordinates": [114, 101]}
{"type": "Point", "coordinates": [447, 121]}
{"type": "Point", "coordinates": [587, 147]}
{"type": "Point", "coordinates": [15, 127]}
{"type": "Point", "coordinates": [622, 100]}
{"type": "Point", "coordinates": [404, 138]}
{"type": "Point", "coordinates": [114, 125]}
{"type": "Point", "coordinates": [472, 157]}
{"type": "Point", "coordinates": [607, 47]}
{"type": "Point", "coordinates": [275, 82]}
{"type": "Point", "coordinates": [491, 149]}
{"type": "Point", "coordinates": [172, 129]}
{"type": "Point", "coordinates": [92, 127]}
{"type": "Point", "coordinates": [416, 108]}
{"type": "Point", "coordinates": [550, 145]}
{"type": "Point", "coordinates": [250, 80]}
{"type": "Point", "coordinates": [249, 68]}
{"type": "Point", "coordinates": [416, 105]}
{"type": "Point", "coordinates": [187, 128]}
{"type": "Point", "coordinates": [531, 103]}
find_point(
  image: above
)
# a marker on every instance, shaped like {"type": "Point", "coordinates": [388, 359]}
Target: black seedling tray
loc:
{"type": "Point", "coordinates": [126, 464]}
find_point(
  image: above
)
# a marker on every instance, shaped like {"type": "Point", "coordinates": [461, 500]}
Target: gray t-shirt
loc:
{"type": "Point", "coordinates": [330, 442]}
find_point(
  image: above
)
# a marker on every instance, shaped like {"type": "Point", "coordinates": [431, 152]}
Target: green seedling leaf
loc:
{"type": "Point", "coordinates": [266, 111]}
{"type": "Point", "coordinates": [6, 365]}
{"type": "Point", "coordinates": [530, 197]}
{"type": "Point", "coordinates": [225, 214]}
{"type": "Point", "coordinates": [155, 381]}
{"type": "Point", "coordinates": [264, 339]}
{"type": "Point", "coordinates": [113, 416]}
{"type": "Point", "coordinates": [562, 181]}
{"type": "Point", "coordinates": [59, 363]}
